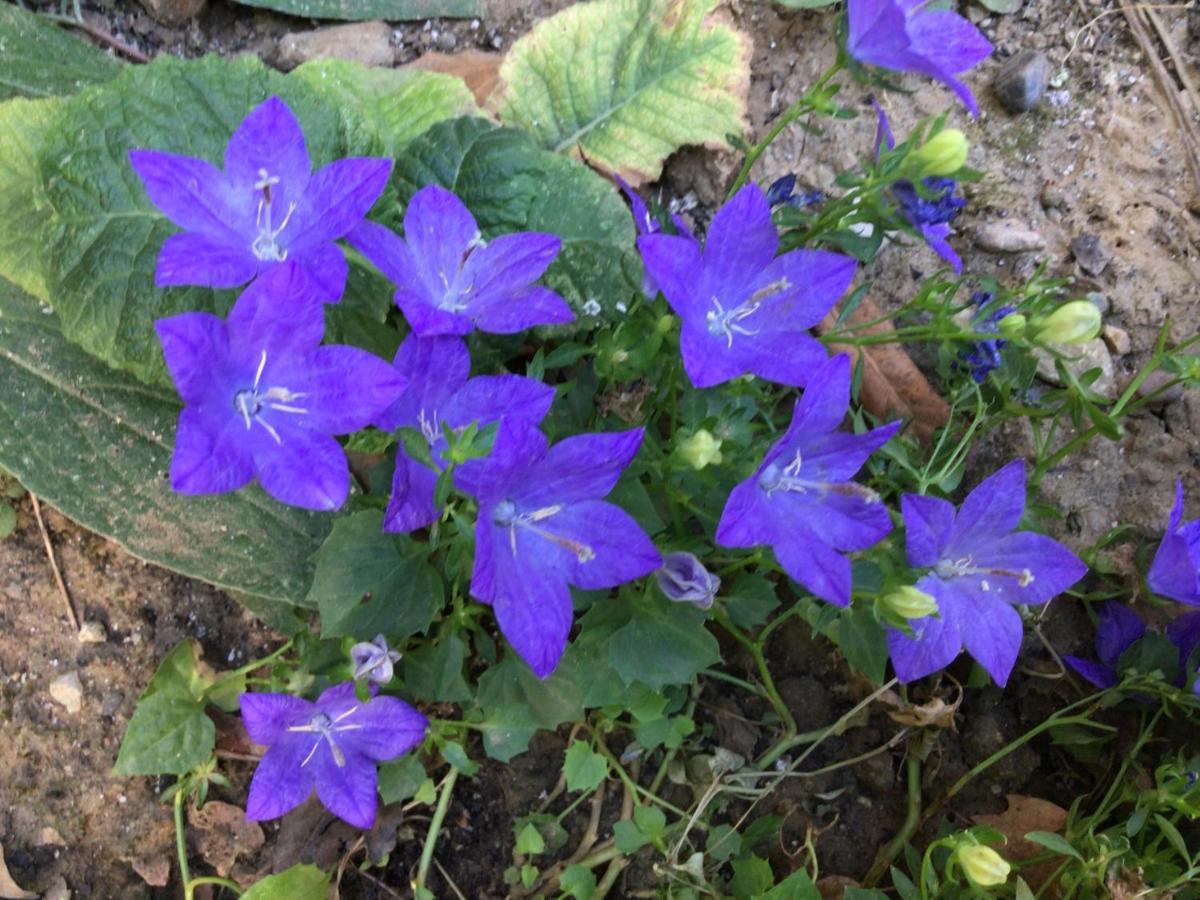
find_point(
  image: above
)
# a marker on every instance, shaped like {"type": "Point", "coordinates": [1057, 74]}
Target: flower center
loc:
{"type": "Point", "coordinates": [326, 729]}
{"type": "Point", "coordinates": [958, 568]}
{"type": "Point", "coordinates": [266, 242]}
{"type": "Point", "coordinates": [505, 515]}
{"type": "Point", "coordinates": [727, 322]}
{"type": "Point", "coordinates": [253, 402]}
{"type": "Point", "coordinates": [459, 286]}
{"type": "Point", "coordinates": [787, 478]}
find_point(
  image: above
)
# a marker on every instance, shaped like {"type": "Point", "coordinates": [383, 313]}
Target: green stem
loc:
{"type": "Point", "coordinates": [185, 873]}
{"type": "Point", "coordinates": [764, 673]}
{"type": "Point", "coordinates": [912, 819]}
{"type": "Point", "coordinates": [226, 883]}
{"type": "Point", "coordinates": [435, 826]}
{"type": "Point", "coordinates": [635, 789]}
{"type": "Point", "coordinates": [252, 665]}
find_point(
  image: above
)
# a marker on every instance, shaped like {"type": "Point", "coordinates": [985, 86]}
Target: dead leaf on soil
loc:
{"type": "Point", "coordinates": [892, 384]}
{"type": "Point", "coordinates": [154, 869]}
{"type": "Point", "coordinates": [1026, 814]}
{"type": "Point", "coordinates": [222, 833]}
{"type": "Point", "coordinates": [937, 713]}
{"type": "Point", "coordinates": [833, 887]}
{"type": "Point", "coordinates": [311, 834]}
{"type": "Point", "coordinates": [9, 889]}
{"type": "Point", "coordinates": [478, 68]}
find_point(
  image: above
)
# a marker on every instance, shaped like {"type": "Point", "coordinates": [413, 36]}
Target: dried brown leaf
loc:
{"type": "Point", "coordinates": [9, 889]}
{"type": "Point", "coordinates": [936, 713]}
{"type": "Point", "coordinates": [892, 384]}
{"type": "Point", "coordinates": [1026, 814]}
{"type": "Point", "coordinates": [478, 68]}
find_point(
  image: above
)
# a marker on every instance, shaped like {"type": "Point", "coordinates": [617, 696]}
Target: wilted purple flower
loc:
{"type": "Point", "coordinates": [542, 525]}
{"type": "Point", "coordinates": [781, 192]}
{"type": "Point", "coordinates": [981, 567]}
{"type": "Point", "coordinates": [449, 280]}
{"type": "Point", "coordinates": [263, 398]}
{"type": "Point", "coordinates": [1175, 571]}
{"type": "Point", "coordinates": [331, 745]}
{"type": "Point", "coordinates": [684, 579]}
{"type": "Point", "coordinates": [907, 36]}
{"type": "Point", "coordinates": [439, 393]}
{"type": "Point", "coordinates": [930, 215]}
{"type": "Point", "coordinates": [1117, 629]}
{"type": "Point", "coordinates": [647, 224]}
{"type": "Point", "coordinates": [267, 206]}
{"type": "Point", "coordinates": [984, 356]}
{"type": "Point", "coordinates": [374, 660]}
{"type": "Point", "coordinates": [743, 308]}
{"type": "Point", "coordinates": [801, 500]}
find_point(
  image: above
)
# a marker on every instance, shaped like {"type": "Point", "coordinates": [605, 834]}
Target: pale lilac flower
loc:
{"type": "Point", "coordinates": [801, 500]}
{"type": "Point", "coordinates": [439, 394]}
{"type": "Point", "coordinates": [981, 566]}
{"type": "Point", "coordinates": [262, 398]}
{"type": "Point", "coordinates": [542, 526]}
{"type": "Point", "coordinates": [743, 309]}
{"type": "Point", "coordinates": [331, 745]}
{"type": "Point", "coordinates": [908, 36]}
{"type": "Point", "coordinates": [449, 280]}
{"type": "Point", "coordinates": [1175, 571]}
{"type": "Point", "coordinates": [684, 579]}
{"type": "Point", "coordinates": [267, 206]}
{"type": "Point", "coordinates": [374, 660]}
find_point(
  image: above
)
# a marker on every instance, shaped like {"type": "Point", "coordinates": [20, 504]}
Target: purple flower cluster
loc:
{"type": "Point", "coordinates": [983, 357]}
{"type": "Point", "coordinates": [1118, 628]}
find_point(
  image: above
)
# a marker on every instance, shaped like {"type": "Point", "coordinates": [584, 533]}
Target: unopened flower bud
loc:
{"type": "Point", "coordinates": [374, 661]}
{"type": "Point", "coordinates": [1076, 322]}
{"type": "Point", "coordinates": [983, 865]}
{"type": "Point", "coordinates": [701, 449]}
{"type": "Point", "coordinates": [910, 603]}
{"type": "Point", "coordinates": [943, 154]}
{"type": "Point", "coordinates": [1012, 325]}
{"type": "Point", "coordinates": [684, 579]}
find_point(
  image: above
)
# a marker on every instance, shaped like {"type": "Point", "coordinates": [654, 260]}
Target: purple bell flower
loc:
{"type": "Point", "coordinates": [1175, 571]}
{"type": "Point", "coordinates": [684, 579]}
{"type": "Point", "coordinates": [1117, 629]}
{"type": "Point", "coordinates": [374, 660]}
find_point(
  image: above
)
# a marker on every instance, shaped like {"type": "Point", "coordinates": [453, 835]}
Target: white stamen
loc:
{"type": "Point", "coordinates": [262, 364]}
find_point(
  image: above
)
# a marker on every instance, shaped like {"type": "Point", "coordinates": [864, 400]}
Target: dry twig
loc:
{"type": "Point", "coordinates": [58, 578]}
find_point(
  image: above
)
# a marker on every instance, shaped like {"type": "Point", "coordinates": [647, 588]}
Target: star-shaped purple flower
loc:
{"type": "Point", "coordinates": [981, 566]}
{"type": "Point", "coordinates": [907, 36]}
{"type": "Point", "coordinates": [542, 526]}
{"type": "Point", "coordinates": [449, 280]}
{"type": "Point", "coordinates": [439, 393]}
{"type": "Point", "coordinates": [267, 206]}
{"type": "Point", "coordinates": [1117, 629]}
{"type": "Point", "coordinates": [1175, 571]}
{"type": "Point", "coordinates": [263, 398]}
{"type": "Point", "coordinates": [647, 224]}
{"type": "Point", "coordinates": [743, 308]}
{"type": "Point", "coordinates": [331, 745]}
{"type": "Point", "coordinates": [801, 500]}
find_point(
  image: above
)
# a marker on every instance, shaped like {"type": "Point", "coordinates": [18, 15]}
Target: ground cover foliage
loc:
{"type": "Point", "coordinates": [663, 481]}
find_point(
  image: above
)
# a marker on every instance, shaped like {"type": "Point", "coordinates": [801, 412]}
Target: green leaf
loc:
{"type": "Point", "coordinates": [434, 672]}
{"type": "Point", "coordinates": [749, 600]}
{"type": "Point", "coordinates": [25, 125]}
{"type": "Point", "coordinates": [1174, 838]}
{"type": "Point", "coordinates": [168, 734]}
{"type": "Point", "coordinates": [8, 520]}
{"type": "Point", "coordinates": [626, 83]}
{"type": "Point", "coordinates": [752, 876]}
{"type": "Point", "coordinates": [1004, 7]}
{"type": "Point", "coordinates": [400, 778]}
{"type": "Point", "coordinates": [455, 754]}
{"type": "Point", "coordinates": [628, 838]}
{"type": "Point", "coordinates": [300, 882]}
{"type": "Point", "coordinates": [578, 882]}
{"type": "Point", "coordinates": [178, 672]}
{"type": "Point", "coordinates": [509, 184]}
{"type": "Point", "coordinates": [95, 444]}
{"type": "Point", "coordinates": [584, 768]}
{"type": "Point", "coordinates": [359, 562]}
{"type": "Point", "coordinates": [862, 641]}
{"type": "Point", "coordinates": [384, 109]}
{"type": "Point", "coordinates": [38, 59]}
{"type": "Point", "coordinates": [1055, 842]}
{"type": "Point", "coordinates": [530, 841]}
{"type": "Point", "coordinates": [797, 886]}
{"type": "Point", "coordinates": [516, 703]}
{"type": "Point", "coordinates": [104, 238]}
{"type": "Point", "coordinates": [636, 650]}
{"type": "Point", "coordinates": [362, 10]}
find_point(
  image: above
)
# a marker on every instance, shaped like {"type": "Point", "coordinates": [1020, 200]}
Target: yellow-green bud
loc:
{"type": "Point", "coordinates": [910, 603]}
{"type": "Point", "coordinates": [1076, 322]}
{"type": "Point", "coordinates": [664, 323]}
{"type": "Point", "coordinates": [983, 865]}
{"type": "Point", "coordinates": [943, 154]}
{"type": "Point", "coordinates": [701, 449]}
{"type": "Point", "coordinates": [1012, 325]}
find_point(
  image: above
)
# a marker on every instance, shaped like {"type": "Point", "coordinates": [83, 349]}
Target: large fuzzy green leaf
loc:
{"type": "Point", "coordinates": [510, 184]}
{"type": "Point", "coordinates": [38, 59]}
{"type": "Point", "coordinates": [25, 125]}
{"type": "Point", "coordinates": [361, 10]}
{"type": "Point", "coordinates": [97, 444]}
{"type": "Point", "coordinates": [625, 83]}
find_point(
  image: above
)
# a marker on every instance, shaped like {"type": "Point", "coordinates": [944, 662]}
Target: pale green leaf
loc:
{"type": "Point", "coordinates": [625, 83]}
{"type": "Point", "coordinates": [39, 59]}
{"type": "Point", "coordinates": [300, 882]}
{"type": "Point", "coordinates": [362, 10]}
{"type": "Point", "coordinates": [25, 125]}
{"type": "Point", "coordinates": [400, 779]}
{"type": "Point", "coordinates": [168, 734]}
{"type": "Point", "coordinates": [97, 445]}
{"type": "Point", "coordinates": [178, 672]}
{"type": "Point", "coordinates": [583, 767]}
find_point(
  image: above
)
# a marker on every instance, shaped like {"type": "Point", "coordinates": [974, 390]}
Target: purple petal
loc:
{"type": "Point", "coordinates": [411, 505]}
{"type": "Point", "coordinates": [269, 139]}
{"type": "Point", "coordinates": [871, 20]}
{"type": "Point", "coordinates": [383, 727]}
{"type": "Point", "coordinates": [349, 791]}
{"type": "Point", "coordinates": [816, 280]}
{"type": "Point", "coordinates": [845, 521]}
{"type": "Point", "coordinates": [491, 397]}
{"type": "Point", "coordinates": [1173, 573]}
{"type": "Point", "coordinates": [583, 467]}
{"type": "Point", "coordinates": [337, 198]}
{"type": "Point", "coordinates": [1100, 675]}
{"type": "Point", "coordinates": [1184, 633]}
{"type": "Point", "coordinates": [428, 320]}
{"type": "Point", "coordinates": [190, 192]}
{"type": "Point", "coordinates": [1042, 567]}
{"type": "Point", "coordinates": [936, 642]}
{"type": "Point", "coordinates": [837, 455]}
{"type": "Point", "coordinates": [266, 717]}
{"type": "Point", "coordinates": [280, 782]}
{"type": "Point", "coordinates": [280, 313]}
{"type": "Point", "coordinates": [1176, 516]}
{"type": "Point", "coordinates": [438, 230]}
{"type": "Point", "coordinates": [823, 405]}
{"type": "Point", "coordinates": [198, 259]}
{"type": "Point", "coordinates": [435, 368]}
{"type": "Point", "coordinates": [641, 215]}
{"type": "Point", "coordinates": [741, 240]}
{"type": "Point", "coordinates": [326, 267]}
{"type": "Point", "coordinates": [210, 456]}
{"type": "Point", "coordinates": [508, 264]}
{"type": "Point", "coordinates": [706, 358]}
{"type": "Point", "coordinates": [993, 637]}
{"type": "Point", "coordinates": [386, 251]}
{"type": "Point", "coordinates": [785, 357]}
{"type": "Point", "coordinates": [342, 389]}
{"type": "Point", "coordinates": [935, 236]}
{"type": "Point", "coordinates": [949, 40]}
{"type": "Point", "coordinates": [519, 448]}
{"type": "Point", "coordinates": [809, 560]}
{"type": "Point", "coordinates": [883, 129]}
{"type": "Point", "coordinates": [193, 344]}
{"type": "Point", "coordinates": [744, 522]}
{"type": "Point", "coordinates": [1117, 629]}
{"type": "Point", "coordinates": [993, 509]}
{"type": "Point", "coordinates": [673, 263]}
{"type": "Point", "coordinates": [305, 469]}
{"type": "Point", "coordinates": [517, 312]}
{"type": "Point", "coordinates": [614, 549]}
{"type": "Point", "coordinates": [928, 522]}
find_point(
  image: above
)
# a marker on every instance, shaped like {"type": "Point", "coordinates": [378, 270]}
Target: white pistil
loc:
{"type": "Point", "coordinates": [506, 515]}
{"type": "Point", "coordinates": [788, 480]}
{"type": "Point", "coordinates": [726, 322]}
{"type": "Point", "coordinates": [327, 728]}
{"type": "Point", "coordinates": [265, 246]}
{"type": "Point", "coordinates": [249, 403]}
{"type": "Point", "coordinates": [966, 566]}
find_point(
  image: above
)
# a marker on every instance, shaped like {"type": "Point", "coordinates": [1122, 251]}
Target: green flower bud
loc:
{"type": "Point", "coordinates": [1076, 322]}
{"type": "Point", "coordinates": [943, 154]}
{"type": "Point", "coordinates": [983, 865]}
{"type": "Point", "coordinates": [701, 449]}
{"type": "Point", "coordinates": [910, 603]}
{"type": "Point", "coordinates": [1012, 325]}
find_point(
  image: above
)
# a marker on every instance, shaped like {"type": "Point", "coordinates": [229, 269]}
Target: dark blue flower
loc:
{"type": "Point", "coordinates": [782, 192]}
{"type": "Point", "coordinates": [984, 356]}
{"type": "Point", "coordinates": [940, 207]}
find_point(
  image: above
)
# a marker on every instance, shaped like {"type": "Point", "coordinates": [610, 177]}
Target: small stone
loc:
{"type": "Point", "coordinates": [92, 633]}
{"type": "Point", "coordinates": [111, 703]}
{"type": "Point", "coordinates": [1021, 82]}
{"type": "Point", "coordinates": [1053, 197]}
{"type": "Point", "coordinates": [1153, 383]}
{"type": "Point", "coordinates": [369, 43]}
{"type": "Point", "coordinates": [173, 12]}
{"type": "Point", "coordinates": [1003, 237]}
{"type": "Point", "coordinates": [67, 691]}
{"type": "Point", "coordinates": [1080, 358]}
{"type": "Point", "coordinates": [1090, 254]}
{"type": "Point", "coordinates": [58, 890]}
{"type": "Point", "coordinates": [1100, 301]}
{"type": "Point", "coordinates": [1117, 339]}
{"type": "Point", "coordinates": [49, 837]}
{"type": "Point", "coordinates": [446, 41]}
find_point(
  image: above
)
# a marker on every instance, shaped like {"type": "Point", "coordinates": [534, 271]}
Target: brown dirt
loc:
{"type": "Point", "coordinates": [1105, 161]}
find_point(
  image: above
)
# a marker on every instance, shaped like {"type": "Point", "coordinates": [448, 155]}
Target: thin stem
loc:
{"type": "Point", "coordinates": [226, 883]}
{"type": "Point", "coordinates": [912, 818]}
{"type": "Point", "coordinates": [185, 873]}
{"type": "Point", "coordinates": [764, 673]}
{"type": "Point", "coordinates": [632, 786]}
{"type": "Point", "coordinates": [435, 826]}
{"type": "Point", "coordinates": [253, 665]}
